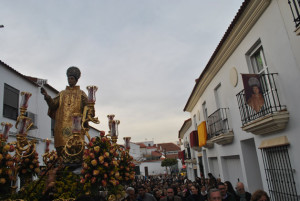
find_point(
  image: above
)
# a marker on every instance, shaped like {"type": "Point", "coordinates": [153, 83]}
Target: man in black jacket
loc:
{"type": "Point", "coordinates": [226, 196]}
{"type": "Point", "coordinates": [170, 196]}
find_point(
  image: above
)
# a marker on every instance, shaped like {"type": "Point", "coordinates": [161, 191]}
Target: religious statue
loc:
{"type": "Point", "coordinates": [68, 102]}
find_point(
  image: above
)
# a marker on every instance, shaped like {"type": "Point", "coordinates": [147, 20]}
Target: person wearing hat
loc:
{"type": "Point", "coordinates": [63, 106]}
{"type": "Point", "coordinates": [256, 100]}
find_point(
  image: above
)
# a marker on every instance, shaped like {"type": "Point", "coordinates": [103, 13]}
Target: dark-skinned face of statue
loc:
{"type": "Point", "coordinates": [72, 81]}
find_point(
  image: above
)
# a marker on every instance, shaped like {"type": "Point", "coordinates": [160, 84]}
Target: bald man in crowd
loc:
{"type": "Point", "coordinates": [240, 189]}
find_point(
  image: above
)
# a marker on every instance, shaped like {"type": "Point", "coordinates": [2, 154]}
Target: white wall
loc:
{"type": "Point", "coordinates": [281, 47]}
{"type": "Point", "coordinates": [154, 168]}
{"type": "Point", "coordinates": [36, 105]}
{"type": "Point", "coordinates": [149, 151]}
{"type": "Point", "coordinates": [135, 151]}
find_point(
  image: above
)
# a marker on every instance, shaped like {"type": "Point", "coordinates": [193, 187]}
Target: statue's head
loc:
{"type": "Point", "coordinates": [73, 74]}
{"type": "Point", "coordinates": [74, 71]}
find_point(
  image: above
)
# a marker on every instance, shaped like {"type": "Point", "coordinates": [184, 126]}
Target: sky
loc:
{"type": "Point", "coordinates": [143, 55]}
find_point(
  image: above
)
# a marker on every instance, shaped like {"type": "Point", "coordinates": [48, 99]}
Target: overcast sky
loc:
{"type": "Point", "coordinates": [144, 55]}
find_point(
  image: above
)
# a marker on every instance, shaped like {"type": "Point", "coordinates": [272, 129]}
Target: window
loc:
{"type": "Point", "coordinates": [195, 121]}
{"type": "Point", "coordinates": [204, 111]}
{"type": "Point", "coordinates": [189, 153]}
{"type": "Point", "coordinates": [258, 62]}
{"type": "Point", "coordinates": [279, 173]}
{"type": "Point", "coordinates": [10, 102]}
{"type": "Point", "coordinates": [33, 118]}
{"type": "Point", "coordinates": [217, 92]}
{"type": "Point", "coordinates": [259, 66]}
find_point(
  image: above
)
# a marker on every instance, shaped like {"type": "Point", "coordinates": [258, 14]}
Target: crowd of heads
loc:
{"type": "Point", "coordinates": [182, 189]}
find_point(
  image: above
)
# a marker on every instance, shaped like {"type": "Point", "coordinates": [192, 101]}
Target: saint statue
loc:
{"type": "Point", "coordinates": [62, 107]}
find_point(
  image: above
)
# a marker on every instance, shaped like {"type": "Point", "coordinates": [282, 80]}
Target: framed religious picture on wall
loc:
{"type": "Point", "coordinates": [253, 91]}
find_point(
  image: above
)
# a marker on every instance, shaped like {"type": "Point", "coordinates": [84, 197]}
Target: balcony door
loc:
{"type": "Point", "coordinates": [219, 118]}
{"type": "Point", "coordinates": [258, 62]}
{"type": "Point", "coordinates": [259, 66]}
{"type": "Point", "coordinates": [217, 92]}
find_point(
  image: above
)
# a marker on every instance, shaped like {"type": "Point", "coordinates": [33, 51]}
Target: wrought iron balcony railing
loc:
{"type": "Point", "coordinates": [271, 104]}
{"type": "Point", "coordinates": [295, 8]}
{"type": "Point", "coordinates": [217, 123]}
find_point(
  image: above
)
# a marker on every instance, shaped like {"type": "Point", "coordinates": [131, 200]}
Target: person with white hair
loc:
{"type": "Point", "coordinates": [130, 194]}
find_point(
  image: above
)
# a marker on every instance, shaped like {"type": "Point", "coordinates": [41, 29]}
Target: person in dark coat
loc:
{"type": "Point", "coordinates": [231, 190]}
{"type": "Point", "coordinates": [244, 196]}
{"type": "Point", "coordinates": [195, 196]}
{"type": "Point", "coordinates": [143, 196]}
{"type": "Point", "coordinates": [171, 196]}
{"type": "Point", "coordinates": [226, 196]}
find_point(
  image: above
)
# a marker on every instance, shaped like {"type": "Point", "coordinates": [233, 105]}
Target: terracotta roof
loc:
{"type": "Point", "coordinates": [172, 156]}
{"type": "Point", "coordinates": [142, 145]}
{"type": "Point", "coordinates": [225, 36]}
{"type": "Point", "coordinates": [156, 153]}
{"type": "Point", "coordinates": [168, 146]}
{"type": "Point", "coordinates": [152, 147]}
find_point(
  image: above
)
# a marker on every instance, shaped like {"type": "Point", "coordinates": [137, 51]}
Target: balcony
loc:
{"type": "Point", "coordinates": [295, 9]}
{"type": "Point", "coordinates": [218, 128]}
{"type": "Point", "coordinates": [272, 116]}
{"type": "Point", "coordinates": [191, 160]}
{"type": "Point", "coordinates": [209, 144]}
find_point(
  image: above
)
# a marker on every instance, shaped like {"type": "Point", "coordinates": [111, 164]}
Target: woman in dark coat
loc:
{"type": "Point", "coordinates": [195, 196]}
{"type": "Point", "coordinates": [231, 190]}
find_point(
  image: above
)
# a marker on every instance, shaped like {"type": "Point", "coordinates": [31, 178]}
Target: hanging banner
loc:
{"type": "Point", "coordinates": [253, 91]}
{"type": "Point", "coordinates": [202, 134]}
{"type": "Point", "coordinates": [194, 139]}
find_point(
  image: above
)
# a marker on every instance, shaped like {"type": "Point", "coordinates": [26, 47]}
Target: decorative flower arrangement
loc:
{"type": "Point", "coordinates": [67, 186]}
{"type": "Point", "coordinates": [29, 166]}
{"type": "Point", "coordinates": [105, 166]}
{"type": "Point", "coordinates": [126, 167]}
{"type": "Point", "coordinates": [6, 164]}
{"type": "Point", "coordinates": [51, 157]}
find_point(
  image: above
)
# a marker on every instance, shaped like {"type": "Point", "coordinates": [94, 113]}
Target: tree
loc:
{"type": "Point", "coordinates": [168, 162]}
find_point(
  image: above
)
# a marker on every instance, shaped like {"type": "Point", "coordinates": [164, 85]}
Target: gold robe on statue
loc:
{"type": "Point", "coordinates": [61, 108]}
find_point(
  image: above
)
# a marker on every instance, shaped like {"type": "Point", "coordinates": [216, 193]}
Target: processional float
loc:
{"type": "Point", "coordinates": [25, 149]}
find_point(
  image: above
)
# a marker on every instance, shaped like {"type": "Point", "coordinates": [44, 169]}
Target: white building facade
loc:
{"type": "Point", "coordinates": [135, 151]}
{"type": "Point", "coordinates": [258, 148]}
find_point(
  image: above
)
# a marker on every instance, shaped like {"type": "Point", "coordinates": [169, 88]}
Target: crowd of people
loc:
{"type": "Point", "coordinates": [179, 188]}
